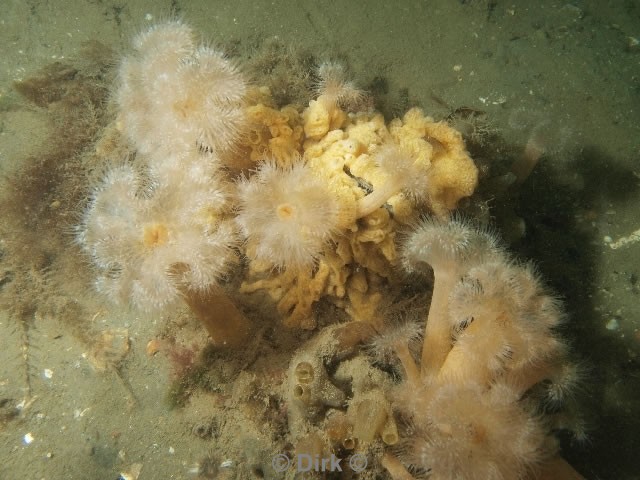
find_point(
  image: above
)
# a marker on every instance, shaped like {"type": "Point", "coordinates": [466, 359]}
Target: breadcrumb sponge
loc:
{"type": "Point", "coordinates": [274, 133]}
{"type": "Point", "coordinates": [365, 165]}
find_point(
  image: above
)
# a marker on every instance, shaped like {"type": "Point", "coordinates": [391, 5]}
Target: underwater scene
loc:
{"type": "Point", "coordinates": [320, 240]}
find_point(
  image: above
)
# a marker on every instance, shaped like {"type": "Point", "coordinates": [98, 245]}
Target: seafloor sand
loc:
{"type": "Point", "coordinates": [568, 71]}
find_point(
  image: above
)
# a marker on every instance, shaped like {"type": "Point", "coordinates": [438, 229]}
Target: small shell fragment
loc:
{"type": "Point", "coordinates": [612, 324]}
{"type": "Point", "coordinates": [153, 347]}
{"type": "Point", "coordinates": [132, 473]}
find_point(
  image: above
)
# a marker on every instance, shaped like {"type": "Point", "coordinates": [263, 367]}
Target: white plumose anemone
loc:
{"type": "Point", "coordinates": [286, 214]}
{"type": "Point", "coordinates": [175, 95]}
{"type": "Point", "coordinates": [148, 246]}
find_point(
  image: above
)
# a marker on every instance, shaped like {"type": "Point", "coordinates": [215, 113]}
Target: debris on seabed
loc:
{"type": "Point", "coordinates": [612, 324]}
{"type": "Point", "coordinates": [623, 241]}
{"type": "Point", "coordinates": [153, 347]}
